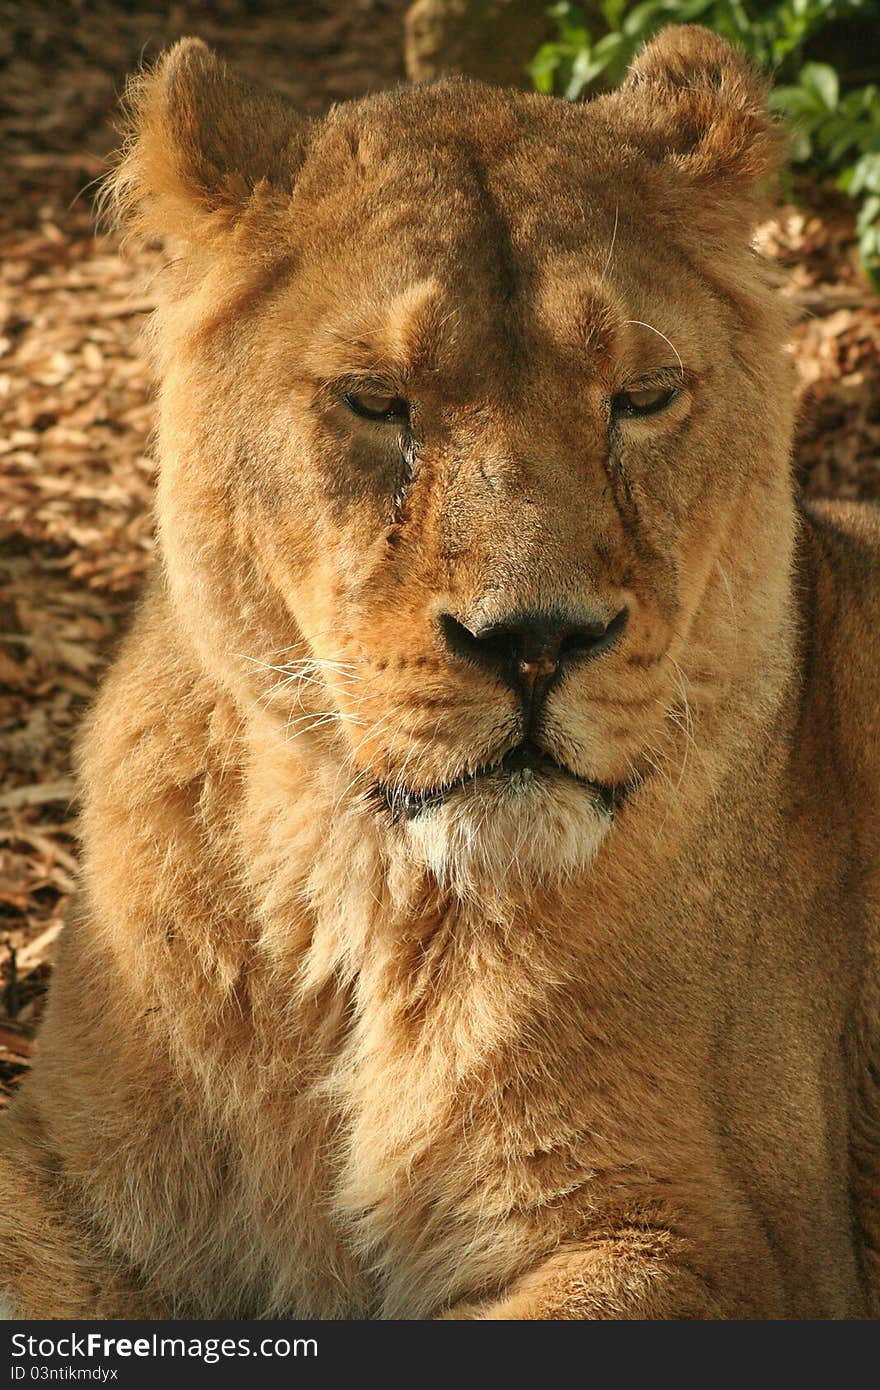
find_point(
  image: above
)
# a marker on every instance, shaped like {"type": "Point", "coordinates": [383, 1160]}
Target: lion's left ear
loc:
{"type": "Point", "coordinates": [693, 101]}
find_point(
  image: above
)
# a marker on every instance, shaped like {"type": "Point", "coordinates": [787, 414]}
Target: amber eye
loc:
{"type": "Point", "coordinates": [373, 406]}
{"type": "Point", "coordinates": [645, 401]}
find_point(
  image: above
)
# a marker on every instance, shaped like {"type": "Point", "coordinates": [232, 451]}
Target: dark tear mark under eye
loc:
{"type": "Point", "coordinates": [639, 540]}
{"type": "Point", "coordinates": [621, 490]}
{"type": "Point", "coordinates": [409, 456]}
{"type": "Point", "coordinates": [487, 479]}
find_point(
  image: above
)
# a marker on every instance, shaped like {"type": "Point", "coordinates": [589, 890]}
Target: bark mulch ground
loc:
{"type": "Point", "coordinates": [76, 410]}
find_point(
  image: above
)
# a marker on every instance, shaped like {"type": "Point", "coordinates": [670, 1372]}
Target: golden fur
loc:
{"type": "Point", "coordinates": [528, 1053]}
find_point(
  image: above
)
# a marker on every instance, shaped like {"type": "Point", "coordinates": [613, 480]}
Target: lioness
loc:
{"type": "Point", "coordinates": [479, 914]}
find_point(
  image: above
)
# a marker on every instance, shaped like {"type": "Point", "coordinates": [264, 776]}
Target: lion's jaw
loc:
{"type": "Point", "coordinates": [520, 827]}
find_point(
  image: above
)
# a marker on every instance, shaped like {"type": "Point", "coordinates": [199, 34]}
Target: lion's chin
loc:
{"type": "Point", "coordinates": [515, 829]}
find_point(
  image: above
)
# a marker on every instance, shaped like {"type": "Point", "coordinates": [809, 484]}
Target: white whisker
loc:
{"type": "Point", "coordinates": [606, 267]}
{"type": "Point", "coordinates": [638, 323]}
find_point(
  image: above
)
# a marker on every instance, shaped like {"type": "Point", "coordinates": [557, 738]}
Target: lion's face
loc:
{"type": "Point", "coordinates": [465, 454]}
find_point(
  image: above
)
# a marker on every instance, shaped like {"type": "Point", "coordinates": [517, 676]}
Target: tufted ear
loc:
{"type": "Point", "coordinates": [199, 144]}
{"type": "Point", "coordinates": [693, 101]}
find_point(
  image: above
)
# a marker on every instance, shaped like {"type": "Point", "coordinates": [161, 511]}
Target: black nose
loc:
{"type": "Point", "coordinates": [529, 650]}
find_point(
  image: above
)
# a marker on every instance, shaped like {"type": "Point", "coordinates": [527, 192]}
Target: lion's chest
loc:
{"type": "Point", "coordinates": [359, 1199]}
{"type": "Point", "coordinates": [427, 1140]}
{"type": "Point", "coordinates": [435, 1181]}
{"type": "Point", "coordinates": [372, 1189]}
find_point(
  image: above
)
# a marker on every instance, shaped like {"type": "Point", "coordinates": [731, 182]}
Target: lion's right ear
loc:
{"type": "Point", "coordinates": [199, 145]}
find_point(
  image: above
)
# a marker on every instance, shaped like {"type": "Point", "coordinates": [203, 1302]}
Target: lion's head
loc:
{"type": "Point", "coordinates": [474, 431]}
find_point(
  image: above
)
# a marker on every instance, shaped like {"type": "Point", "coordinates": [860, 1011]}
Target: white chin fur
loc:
{"type": "Point", "coordinates": [520, 830]}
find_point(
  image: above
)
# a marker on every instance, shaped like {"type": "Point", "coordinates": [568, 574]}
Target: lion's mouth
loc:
{"type": "Point", "coordinates": [525, 762]}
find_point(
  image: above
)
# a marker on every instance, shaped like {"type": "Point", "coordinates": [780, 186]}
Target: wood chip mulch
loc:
{"type": "Point", "coordinates": [76, 409]}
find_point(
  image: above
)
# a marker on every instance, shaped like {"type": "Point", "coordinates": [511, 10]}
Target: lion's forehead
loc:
{"type": "Point", "coordinates": [493, 241]}
{"type": "Point", "coordinates": [438, 165]}
{"type": "Point", "coordinates": [468, 319]}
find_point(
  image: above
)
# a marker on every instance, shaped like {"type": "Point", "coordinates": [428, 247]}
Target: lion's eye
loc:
{"type": "Point", "coordinates": [643, 402]}
{"type": "Point", "coordinates": [370, 406]}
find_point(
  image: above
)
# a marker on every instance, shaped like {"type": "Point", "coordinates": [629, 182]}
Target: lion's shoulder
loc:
{"type": "Point", "coordinates": [840, 603]}
{"type": "Point", "coordinates": [849, 527]}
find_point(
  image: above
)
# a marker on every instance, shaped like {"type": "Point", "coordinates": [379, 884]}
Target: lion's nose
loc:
{"type": "Point", "coordinates": [529, 649]}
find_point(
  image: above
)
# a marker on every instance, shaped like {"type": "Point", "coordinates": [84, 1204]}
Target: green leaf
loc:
{"type": "Point", "coordinates": [609, 45]}
{"type": "Point", "coordinates": [823, 80]}
{"type": "Point", "coordinates": [865, 175]}
{"type": "Point", "coordinates": [860, 102]}
{"type": "Point", "coordinates": [585, 68]}
{"type": "Point", "coordinates": [839, 146]}
{"type": "Point", "coordinates": [796, 101]}
{"type": "Point", "coordinates": [566, 13]}
{"type": "Point", "coordinates": [684, 12]}
{"type": "Point", "coordinates": [869, 213]}
{"type": "Point", "coordinates": [638, 21]}
{"type": "Point", "coordinates": [801, 147]}
{"type": "Point", "coordinates": [542, 68]}
{"type": "Point", "coordinates": [571, 25]}
{"type": "Point", "coordinates": [612, 12]}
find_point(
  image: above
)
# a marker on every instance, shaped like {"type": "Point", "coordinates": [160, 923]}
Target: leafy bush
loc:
{"type": "Point", "coordinates": [834, 129]}
{"type": "Point", "coordinates": [841, 136]}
